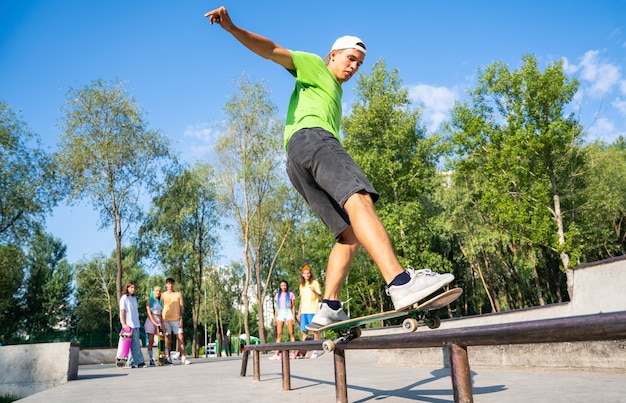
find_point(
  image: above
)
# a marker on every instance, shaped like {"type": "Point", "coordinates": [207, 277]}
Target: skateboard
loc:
{"type": "Point", "coordinates": [161, 347]}
{"type": "Point", "coordinates": [123, 348]}
{"type": "Point", "coordinates": [419, 315]}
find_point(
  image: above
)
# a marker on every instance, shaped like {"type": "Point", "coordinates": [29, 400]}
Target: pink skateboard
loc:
{"type": "Point", "coordinates": [123, 348]}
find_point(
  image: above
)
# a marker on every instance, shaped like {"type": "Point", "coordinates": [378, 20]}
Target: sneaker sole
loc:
{"type": "Point", "coordinates": [416, 298]}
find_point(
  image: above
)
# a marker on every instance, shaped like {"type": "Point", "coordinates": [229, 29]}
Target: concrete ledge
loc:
{"type": "Point", "coordinates": [598, 288]}
{"type": "Point", "coordinates": [97, 356]}
{"type": "Point", "coordinates": [26, 369]}
{"type": "Point", "coordinates": [609, 356]}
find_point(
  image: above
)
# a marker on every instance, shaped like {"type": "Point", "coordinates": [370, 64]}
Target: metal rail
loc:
{"type": "Point", "coordinates": [597, 327]}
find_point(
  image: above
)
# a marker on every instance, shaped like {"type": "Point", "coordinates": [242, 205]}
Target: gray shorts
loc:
{"type": "Point", "coordinates": [172, 327]}
{"type": "Point", "coordinates": [325, 175]}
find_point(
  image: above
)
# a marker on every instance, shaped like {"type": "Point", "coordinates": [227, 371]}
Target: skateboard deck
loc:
{"type": "Point", "coordinates": [161, 347]}
{"type": "Point", "coordinates": [123, 348]}
{"type": "Point", "coordinates": [350, 329]}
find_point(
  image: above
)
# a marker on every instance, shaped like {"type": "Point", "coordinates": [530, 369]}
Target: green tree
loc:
{"type": "Point", "coordinates": [108, 154]}
{"type": "Point", "coordinates": [46, 302]}
{"type": "Point", "coordinates": [12, 267]}
{"type": "Point", "coordinates": [220, 310]}
{"type": "Point", "coordinates": [182, 229]}
{"type": "Point", "coordinates": [27, 184]}
{"type": "Point", "coordinates": [135, 272]}
{"type": "Point", "coordinates": [249, 155]}
{"type": "Point", "coordinates": [96, 305]}
{"type": "Point", "coordinates": [385, 136]}
{"type": "Point", "coordinates": [521, 149]}
{"type": "Point", "coordinates": [470, 231]}
{"type": "Point", "coordinates": [601, 225]}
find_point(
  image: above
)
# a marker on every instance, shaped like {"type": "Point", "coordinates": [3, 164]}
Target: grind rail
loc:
{"type": "Point", "coordinates": [596, 327]}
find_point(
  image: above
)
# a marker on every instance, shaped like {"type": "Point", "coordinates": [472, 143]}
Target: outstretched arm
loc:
{"type": "Point", "coordinates": [260, 45]}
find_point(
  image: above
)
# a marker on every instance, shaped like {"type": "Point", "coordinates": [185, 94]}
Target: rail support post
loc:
{"type": "Point", "coordinates": [286, 370]}
{"type": "Point", "coordinates": [244, 363]}
{"type": "Point", "coordinates": [256, 364]}
{"type": "Point", "coordinates": [460, 373]}
{"type": "Point", "coordinates": [341, 384]}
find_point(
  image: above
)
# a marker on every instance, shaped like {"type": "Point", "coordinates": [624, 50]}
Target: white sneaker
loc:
{"type": "Point", "coordinates": [422, 284]}
{"type": "Point", "coordinates": [185, 360]}
{"type": "Point", "coordinates": [314, 354]}
{"type": "Point", "coordinates": [274, 357]}
{"type": "Point", "coordinates": [325, 316]}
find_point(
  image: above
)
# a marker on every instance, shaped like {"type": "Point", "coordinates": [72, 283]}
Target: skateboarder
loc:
{"type": "Point", "coordinates": [325, 174]}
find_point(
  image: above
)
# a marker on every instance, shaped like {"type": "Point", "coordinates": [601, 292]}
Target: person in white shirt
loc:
{"type": "Point", "coordinates": [129, 316]}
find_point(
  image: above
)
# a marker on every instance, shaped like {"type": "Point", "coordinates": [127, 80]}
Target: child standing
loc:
{"type": "Point", "coordinates": [284, 311]}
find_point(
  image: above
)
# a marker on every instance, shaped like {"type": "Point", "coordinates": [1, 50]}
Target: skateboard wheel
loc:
{"type": "Point", "coordinates": [328, 346]}
{"type": "Point", "coordinates": [434, 322]}
{"type": "Point", "coordinates": [410, 325]}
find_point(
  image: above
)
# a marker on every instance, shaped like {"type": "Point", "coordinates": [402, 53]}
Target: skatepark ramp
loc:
{"type": "Point", "coordinates": [30, 368]}
{"type": "Point", "coordinates": [598, 288]}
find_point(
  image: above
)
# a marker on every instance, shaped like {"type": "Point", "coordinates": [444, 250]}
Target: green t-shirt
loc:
{"type": "Point", "coordinates": [316, 99]}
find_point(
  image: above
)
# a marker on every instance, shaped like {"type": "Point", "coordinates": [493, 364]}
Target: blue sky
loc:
{"type": "Point", "coordinates": [181, 70]}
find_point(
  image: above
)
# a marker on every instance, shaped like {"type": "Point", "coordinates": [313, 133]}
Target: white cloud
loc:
{"type": "Point", "coordinates": [569, 68]}
{"type": "Point", "coordinates": [600, 82]}
{"type": "Point", "coordinates": [620, 105]}
{"type": "Point", "coordinates": [200, 138]}
{"type": "Point", "coordinates": [437, 103]}
{"type": "Point", "coordinates": [603, 129]}
{"type": "Point", "coordinates": [200, 131]}
{"type": "Point", "coordinates": [602, 76]}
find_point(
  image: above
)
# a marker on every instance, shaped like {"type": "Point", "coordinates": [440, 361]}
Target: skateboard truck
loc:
{"type": "Point", "coordinates": [344, 336]}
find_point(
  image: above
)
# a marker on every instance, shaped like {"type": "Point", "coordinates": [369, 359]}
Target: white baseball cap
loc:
{"type": "Point", "coordinates": [347, 42]}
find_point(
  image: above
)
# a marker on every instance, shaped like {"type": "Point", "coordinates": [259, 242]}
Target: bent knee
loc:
{"type": "Point", "coordinates": [347, 237]}
{"type": "Point", "coordinates": [361, 198]}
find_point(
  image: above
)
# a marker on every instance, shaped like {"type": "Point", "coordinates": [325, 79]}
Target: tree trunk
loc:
{"type": "Point", "coordinates": [118, 259]}
{"type": "Point", "coordinates": [477, 269]}
{"type": "Point", "coordinates": [558, 217]}
{"type": "Point", "coordinates": [246, 288]}
{"type": "Point", "coordinates": [217, 332]}
{"type": "Point", "coordinates": [542, 301]}
{"type": "Point", "coordinates": [261, 305]}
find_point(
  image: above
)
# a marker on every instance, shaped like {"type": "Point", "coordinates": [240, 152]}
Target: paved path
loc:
{"type": "Point", "coordinates": [217, 379]}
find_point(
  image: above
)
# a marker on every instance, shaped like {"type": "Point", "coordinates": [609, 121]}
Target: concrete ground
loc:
{"type": "Point", "coordinates": [312, 380]}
